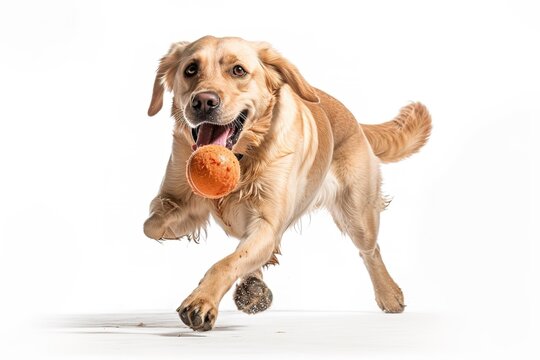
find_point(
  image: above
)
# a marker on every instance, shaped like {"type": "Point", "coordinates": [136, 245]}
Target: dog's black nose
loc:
{"type": "Point", "coordinates": [205, 101]}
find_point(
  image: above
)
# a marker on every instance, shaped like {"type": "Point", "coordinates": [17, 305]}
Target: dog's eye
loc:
{"type": "Point", "coordinates": [238, 71]}
{"type": "Point", "coordinates": [191, 70]}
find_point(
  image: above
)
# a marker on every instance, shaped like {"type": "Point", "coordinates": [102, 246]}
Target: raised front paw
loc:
{"type": "Point", "coordinates": [157, 227]}
{"type": "Point", "coordinates": [154, 227]}
{"type": "Point", "coordinates": [163, 216]}
{"type": "Point", "coordinates": [198, 313]}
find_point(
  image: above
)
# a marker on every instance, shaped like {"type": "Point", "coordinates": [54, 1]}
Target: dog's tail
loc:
{"type": "Point", "coordinates": [401, 137]}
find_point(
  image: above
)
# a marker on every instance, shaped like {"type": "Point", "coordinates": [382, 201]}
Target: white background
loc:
{"type": "Point", "coordinates": [81, 160]}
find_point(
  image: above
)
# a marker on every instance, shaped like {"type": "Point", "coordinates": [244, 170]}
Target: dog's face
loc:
{"type": "Point", "coordinates": [223, 89]}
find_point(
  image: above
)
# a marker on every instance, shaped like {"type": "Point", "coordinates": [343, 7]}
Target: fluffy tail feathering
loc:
{"type": "Point", "coordinates": [401, 137]}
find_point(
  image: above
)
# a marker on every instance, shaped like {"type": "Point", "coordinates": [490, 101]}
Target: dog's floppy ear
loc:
{"type": "Point", "coordinates": [280, 70]}
{"type": "Point", "coordinates": [165, 76]}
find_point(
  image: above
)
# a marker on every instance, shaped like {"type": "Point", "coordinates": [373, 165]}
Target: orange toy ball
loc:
{"type": "Point", "coordinates": [212, 171]}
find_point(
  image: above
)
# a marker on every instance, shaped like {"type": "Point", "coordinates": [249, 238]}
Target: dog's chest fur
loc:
{"type": "Point", "coordinates": [235, 216]}
{"type": "Point", "coordinates": [232, 216]}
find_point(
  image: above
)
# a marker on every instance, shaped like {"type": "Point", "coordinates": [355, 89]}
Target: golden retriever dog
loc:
{"type": "Point", "coordinates": [299, 149]}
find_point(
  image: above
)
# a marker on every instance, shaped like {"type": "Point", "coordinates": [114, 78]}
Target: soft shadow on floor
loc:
{"type": "Point", "coordinates": [316, 334]}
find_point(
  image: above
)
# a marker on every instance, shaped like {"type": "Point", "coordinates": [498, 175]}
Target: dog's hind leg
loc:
{"type": "Point", "coordinates": [356, 209]}
{"type": "Point", "coordinates": [361, 223]}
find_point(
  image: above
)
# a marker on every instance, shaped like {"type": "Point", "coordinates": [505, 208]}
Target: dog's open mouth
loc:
{"type": "Point", "coordinates": [224, 135]}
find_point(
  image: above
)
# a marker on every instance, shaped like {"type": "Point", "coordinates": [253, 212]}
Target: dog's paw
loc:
{"type": "Point", "coordinates": [198, 313]}
{"type": "Point", "coordinates": [252, 296]}
{"type": "Point", "coordinates": [390, 300]}
{"type": "Point", "coordinates": [158, 227]}
{"type": "Point", "coordinates": [154, 227]}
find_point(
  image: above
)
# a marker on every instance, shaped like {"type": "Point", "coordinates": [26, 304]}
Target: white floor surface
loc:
{"type": "Point", "coordinates": [310, 335]}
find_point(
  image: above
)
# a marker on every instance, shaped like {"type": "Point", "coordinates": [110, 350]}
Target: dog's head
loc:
{"type": "Point", "coordinates": [223, 87]}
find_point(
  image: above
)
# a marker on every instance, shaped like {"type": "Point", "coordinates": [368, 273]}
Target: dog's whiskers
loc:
{"type": "Point", "coordinates": [178, 117]}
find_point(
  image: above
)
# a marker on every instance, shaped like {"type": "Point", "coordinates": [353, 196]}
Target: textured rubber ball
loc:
{"type": "Point", "coordinates": [213, 171]}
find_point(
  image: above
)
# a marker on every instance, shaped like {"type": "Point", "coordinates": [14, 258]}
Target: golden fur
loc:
{"type": "Point", "coordinates": [301, 148]}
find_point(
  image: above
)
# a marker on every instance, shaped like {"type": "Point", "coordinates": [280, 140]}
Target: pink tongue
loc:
{"type": "Point", "coordinates": [213, 134]}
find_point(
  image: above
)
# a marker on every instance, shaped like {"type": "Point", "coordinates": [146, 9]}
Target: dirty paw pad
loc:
{"type": "Point", "coordinates": [197, 318]}
{"type": "Point", "coordinates": [252, 296]}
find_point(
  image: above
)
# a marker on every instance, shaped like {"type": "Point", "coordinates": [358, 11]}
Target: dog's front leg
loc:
{"type": "Point", "coordinates": [176, 212]}
{"type": "Point", "coordinates": [174, 217]}
{"type": "Point", "coordinates": [199, 310]}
